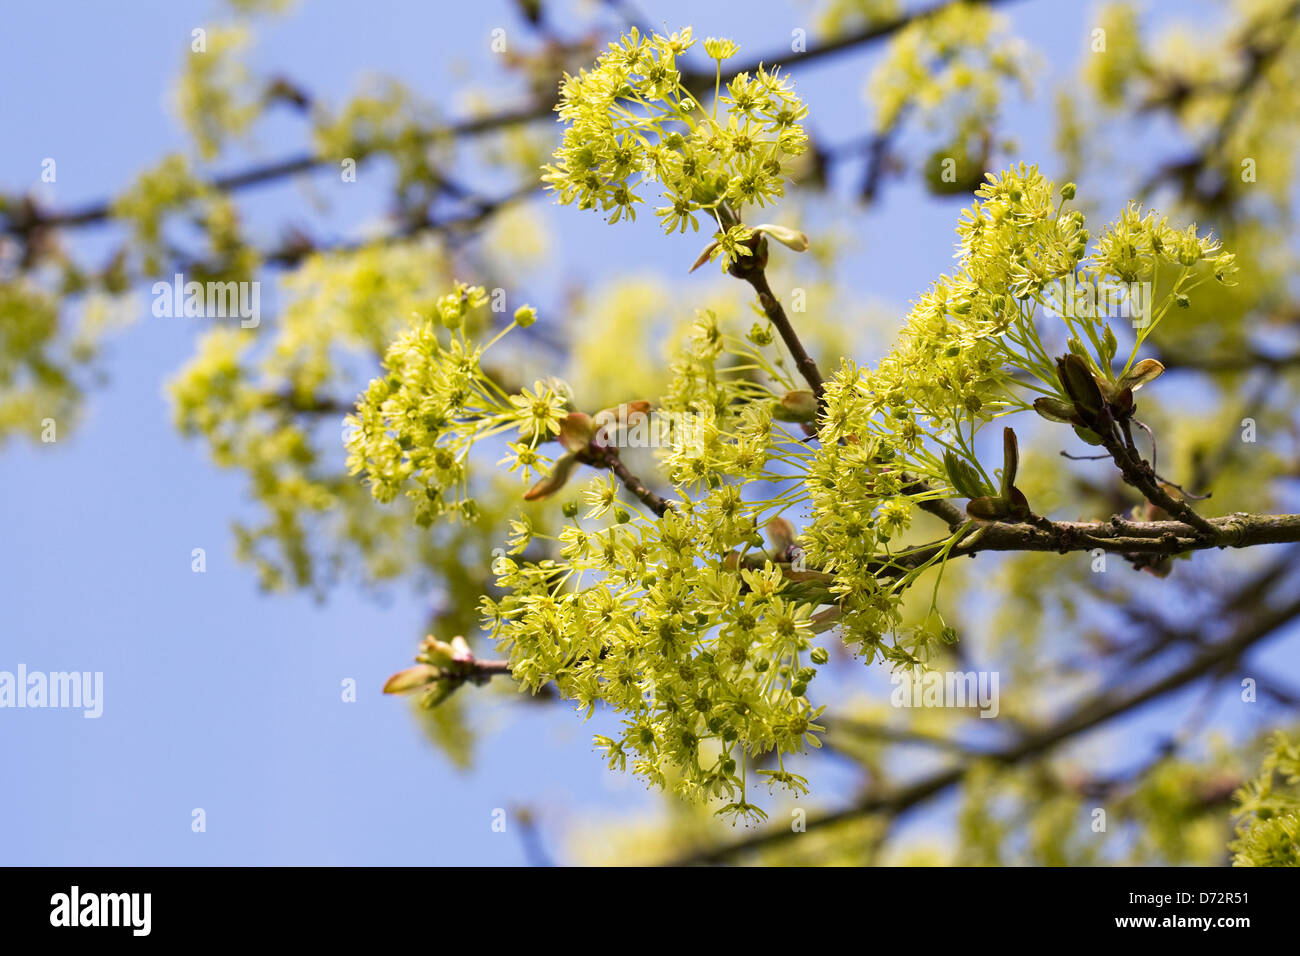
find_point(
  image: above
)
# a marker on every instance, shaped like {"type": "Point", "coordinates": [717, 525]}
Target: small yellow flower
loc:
{"type": "Point", "coordinates": [720, 48]}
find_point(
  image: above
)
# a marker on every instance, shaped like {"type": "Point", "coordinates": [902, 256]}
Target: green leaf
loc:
{"type": "Point", "coordinates": [965, 479]}
{"type": "Point", "coordinates": [1055, 410]}
{"type": "Point", "coordinates": [1077, 382]}
{"type": "Point", "coordinates": [1109, 344]}
{"type": "Point", "coordinates": [987, 508]}
{"type": "Point", "coordinates": [1088, 435]}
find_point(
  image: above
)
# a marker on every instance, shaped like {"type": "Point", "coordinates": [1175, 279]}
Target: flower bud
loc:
{"type": "Point", "coordinates": [460, 651]}
{"type": "Point", "coordinates": [436, 652]}
{"type": "Point", "coordinates": [1078, 382]}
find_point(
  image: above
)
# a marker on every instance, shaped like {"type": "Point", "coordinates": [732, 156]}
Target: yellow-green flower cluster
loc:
{"type": "Point", "coordinates": [690, 625]}
{"type": "Point", "coordinates": [157, 193]}
{"type": "Point", "coordinates": [35, 380]}
{"type": "Point", "coordinates": [419, 423]}
{"type": "Point", "coordinates": [906, 430]}
{"type": "Point", "coordinates": [631, 122]}
{"type": "Point", "coordinates": [692, 633]}
{"type": "Point", "coordinates": [1013, 241]}
{"type": "Point", "coordinates": [215, 96]}
{"type": "Point", "coordinates": [384, 116]}
{"type": "Point", "coordinates": [1134, 247]}
{"type": "Point", "coordinates": [1269, 832]}
{"type": "Point", "coordinates": [952, 69]}
{"type": "Point", "coordinates": [387, 119]}
{"type": "Point", "coordinates": [681, 616]}
{"type": "Point", "coordinates": [270, 402]}
{"type": "Point", "coordinates": [1117, 56]}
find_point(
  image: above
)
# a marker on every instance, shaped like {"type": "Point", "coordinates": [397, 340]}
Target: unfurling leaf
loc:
{"type": "Point", "coordinates": [1010, 461]}
{"type": "Point", "coordinates": [1055, 410]}
{"type": "Point", "coordinates": [438, 653]}
{"type": "Point", "coordinates": [411, 679]}
{"type": "Point", "coordinates": [555, 480]}
{"type": "Point", "coordinates": [1017, 504]}
{"type": "Point", "coordinates": [988, 508]}
{"type": "Point", "coordinates": [1078, 382]}
{"type": "Point", "coordinates": [439, 692]}
{"type": "Point", "coordinates": [576, 431]}
{"type": "Point", "coordinates": [1147, 370]}
{"type": "Point", "coordinates": [1088, 435]}
{"type": "Point", "coordinates": [790, 238]}
{"type": "Point", "coordinates": [705, 256]}
{"type": "Point", "coordinates": [965, 479]}
{"type": "Point", "coordinates": [460, 652]}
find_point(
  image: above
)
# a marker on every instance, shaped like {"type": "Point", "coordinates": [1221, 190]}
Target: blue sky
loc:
{"type": "Point", "coordinates": [216, 696]}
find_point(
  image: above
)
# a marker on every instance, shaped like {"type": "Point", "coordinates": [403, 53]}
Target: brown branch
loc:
{"type": "Point", "coordinates": [1138, 473]}
{"type": "Point", "coordinates": [293, 250]}
{"type": "Point", "coordinates": [1246, 361]}
{"type": "Point", "coordinates": [1259, 57]}
{"type": "Point", "coordinates": [861, 729]}
{"type": "Point", "coordinates": [772, 308]}
{"type": "Point", "coordinates": [842, 44]}
{"type": "Point", "coordinates": [1115, 536]}
{"type": "Point", "coordinates": [632, 483]}
{"type": "Point", "coordinates": [269, 172]}
{"type": "Point", "coordinates": [475, 671]}
{"type": "Point", "coordinates": [941, 508]}
{"type": "Point", "coordinates": [486, 670]}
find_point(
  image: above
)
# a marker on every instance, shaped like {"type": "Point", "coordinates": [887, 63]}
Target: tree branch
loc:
{"type": "Point", "coordinates": [1115, 536]}
{"type": "Point", "coordinates": [1138, 473]}
{"type": "Point", "coordinates": [772, 308]}
{"type": "Point", "coordinates": [100, 211]}
{"type": "Point", "coordinates": [614, 463]}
